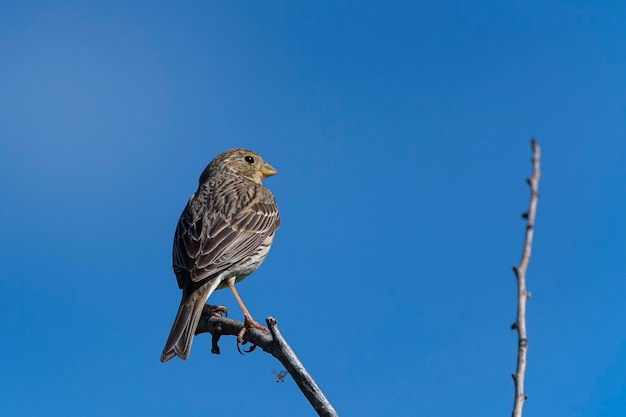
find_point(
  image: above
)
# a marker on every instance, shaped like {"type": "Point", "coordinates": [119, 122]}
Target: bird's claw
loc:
{"type": "Point", "coordinates": [214, 311]}
{"type": "Point", "coordinates": [248, 323]}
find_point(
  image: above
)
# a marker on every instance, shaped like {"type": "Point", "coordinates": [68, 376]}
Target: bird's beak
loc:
{"type": "Point", "coordinates": [267, 170]}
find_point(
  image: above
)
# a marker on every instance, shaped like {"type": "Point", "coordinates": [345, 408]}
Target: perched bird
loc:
{"type": "Point", "coordinates": [222, 236]}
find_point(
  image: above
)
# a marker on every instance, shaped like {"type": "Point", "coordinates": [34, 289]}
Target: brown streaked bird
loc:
{"type": "Point", "coordinates": [222, 236]}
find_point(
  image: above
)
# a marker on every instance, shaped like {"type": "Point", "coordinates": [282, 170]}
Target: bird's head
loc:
{"type": "Point", "coordinates": [240, 161]}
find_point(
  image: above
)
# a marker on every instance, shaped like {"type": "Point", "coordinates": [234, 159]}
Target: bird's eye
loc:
{"type": "Point", "coordinates": [249, 159]}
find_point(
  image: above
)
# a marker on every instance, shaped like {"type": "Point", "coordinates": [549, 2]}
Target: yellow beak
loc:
{"type": "Point", "coordinates": [267, 170]}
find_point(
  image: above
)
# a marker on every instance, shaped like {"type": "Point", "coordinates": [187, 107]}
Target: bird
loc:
{"type": "Point", "coordinates": [223, 235]}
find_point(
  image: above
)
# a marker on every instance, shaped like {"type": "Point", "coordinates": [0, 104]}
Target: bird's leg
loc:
{"type": "Point", "coordinates": [247, 318]}
{"type": "Point", "coordinates": [214, 311]}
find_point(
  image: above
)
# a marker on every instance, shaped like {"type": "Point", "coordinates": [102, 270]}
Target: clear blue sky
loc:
{"type": "Point", "coordinates": [401, 135]}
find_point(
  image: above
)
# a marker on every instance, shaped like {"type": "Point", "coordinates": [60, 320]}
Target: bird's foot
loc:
{"type": "Point", "coordinates": [248, 323]}
{"type": "Point", "coordinates": [214, 311]}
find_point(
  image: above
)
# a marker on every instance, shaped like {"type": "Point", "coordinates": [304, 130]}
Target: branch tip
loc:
{"type": "Point", "coordinates": [520, 273]}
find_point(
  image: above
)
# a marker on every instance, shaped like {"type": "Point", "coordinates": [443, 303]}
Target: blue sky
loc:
{"type": "Point", "coordinates": [401, 135]}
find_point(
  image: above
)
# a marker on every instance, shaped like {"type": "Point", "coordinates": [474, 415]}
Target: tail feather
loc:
{"type": "Point", "coordinates": [184, 327]}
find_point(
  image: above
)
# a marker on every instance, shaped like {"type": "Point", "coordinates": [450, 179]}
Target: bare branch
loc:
{"type": "Point", "coordinates": [277, 347]}
{"type": "Point", "coordinates": [520, 275]}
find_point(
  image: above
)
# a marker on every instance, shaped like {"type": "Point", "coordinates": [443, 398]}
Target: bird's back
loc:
{"type": "Point", "coordinates": [228, 224]}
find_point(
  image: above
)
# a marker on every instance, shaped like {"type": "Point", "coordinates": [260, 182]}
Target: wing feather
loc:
{"type": "Point", "coordinates": [222, 224]}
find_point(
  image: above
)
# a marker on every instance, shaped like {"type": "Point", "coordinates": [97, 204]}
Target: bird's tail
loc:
{"type": "Point", "coordinates": [187, 318]}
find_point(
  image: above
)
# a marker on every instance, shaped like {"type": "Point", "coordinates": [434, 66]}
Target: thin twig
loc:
{"type": "Point", "coordinates": [277, 347]}
{"type": "Point", "coordinates": [520, 274]}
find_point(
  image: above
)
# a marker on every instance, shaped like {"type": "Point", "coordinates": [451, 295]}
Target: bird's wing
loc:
{"type": "Point", "coordinates": [216, 232]}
